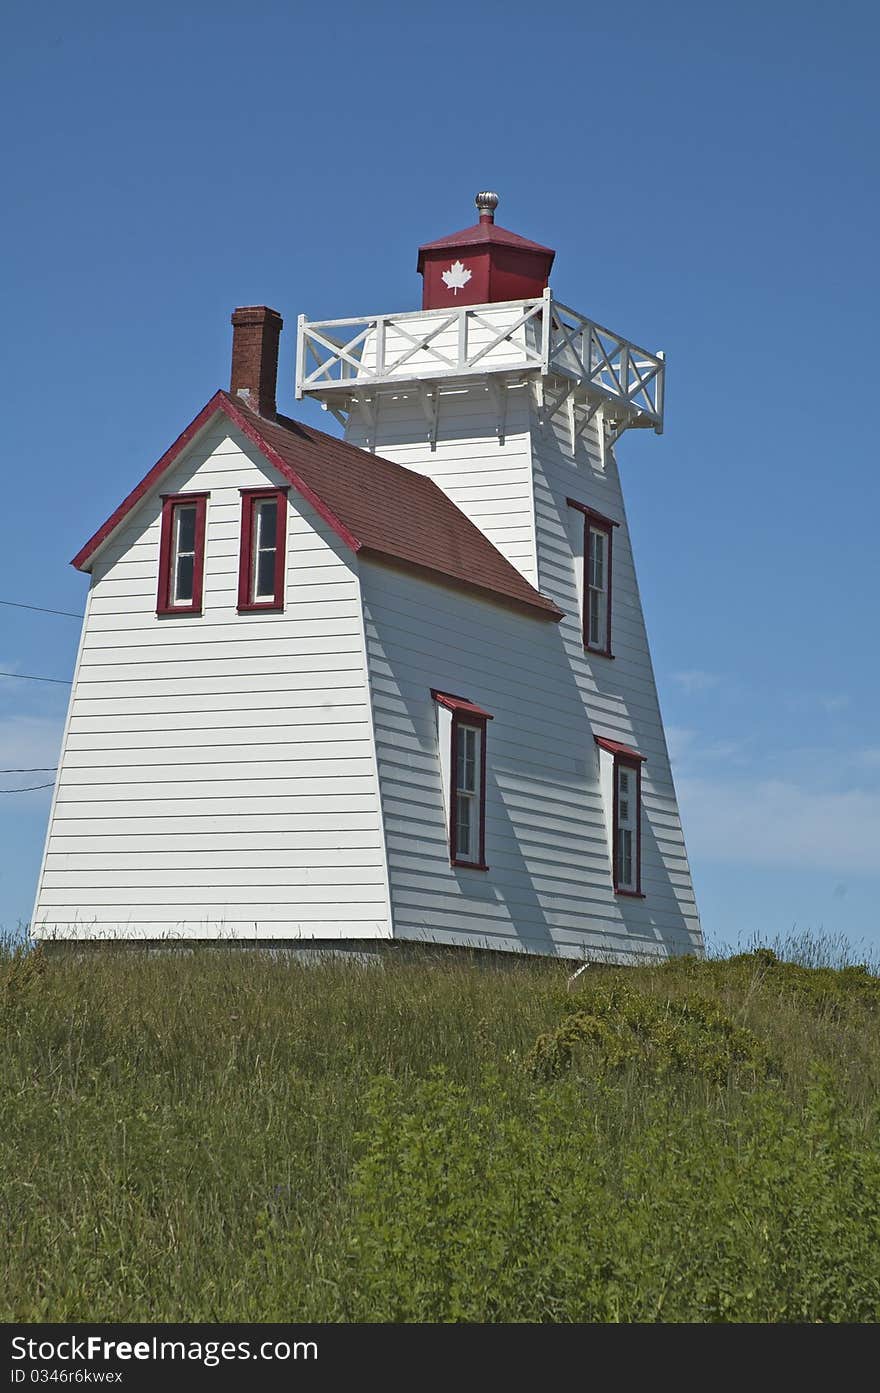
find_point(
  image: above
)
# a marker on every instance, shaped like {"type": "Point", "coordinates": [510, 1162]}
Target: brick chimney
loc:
{"type": "Point", "coordinates": [255, 333]}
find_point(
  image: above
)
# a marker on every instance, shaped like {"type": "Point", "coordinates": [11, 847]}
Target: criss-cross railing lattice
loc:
{"type": "Point", "coordinates": [521, 337]}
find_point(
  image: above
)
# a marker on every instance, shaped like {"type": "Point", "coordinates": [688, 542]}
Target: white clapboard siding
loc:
{"type": "Point", "coordinates": [619, 695]}
{"type": "Point", "coordinates": [229, 741]}
{"type": "Point", "coordinates": [119, 854]}
{"type": "Point", "coordinates": [549, 886]}
{"type": "Point", "coordinates": [277, 776]}
{"type": "Point", "coordinates": [491, 483]}
{"type": "Point", "coordinates": [218, 775]}
{"type": "Point", "coordinates": [237, 828]}
{"type": "Point", "coordinates": [226, 704]}
{"type": "Point", "coordinates": [550, 881]}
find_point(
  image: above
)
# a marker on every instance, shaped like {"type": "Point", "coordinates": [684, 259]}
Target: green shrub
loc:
{"type": "Point", "coordinates": [621, 1026]}
{"type": "Point", "coordinates": [474, 1211]}
{"type": "Point", "coordinates": [835, 991]}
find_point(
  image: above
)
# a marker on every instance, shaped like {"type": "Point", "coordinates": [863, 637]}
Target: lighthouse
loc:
{"type": "Point", "coordinates": [514, 403]}
{"type": "Point", "coordinates": [387, 689]}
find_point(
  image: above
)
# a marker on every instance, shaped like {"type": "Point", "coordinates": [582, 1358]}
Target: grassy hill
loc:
{"type": "Point", "coordinates": [235, 1136]}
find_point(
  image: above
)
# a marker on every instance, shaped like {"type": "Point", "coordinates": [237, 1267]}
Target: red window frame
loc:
{"type": "Point", "coordinates": [465, 713]}
{"type": "Point", "coordinates": [164, 599]}
{"type": "Point", "coordinates": [246, 602]}
{"type": "Point", "coordinates": [623, 756]}
{"type": "Point", "coordinates": [620, 762]}
{"type": "Point", "coordinates": [600, 523]}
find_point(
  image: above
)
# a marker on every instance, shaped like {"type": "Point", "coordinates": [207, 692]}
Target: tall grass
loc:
{"type": "Point", "coordinates": [213, 1135]}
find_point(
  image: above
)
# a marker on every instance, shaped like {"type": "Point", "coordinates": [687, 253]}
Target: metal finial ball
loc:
{"type": "Point", "coordinates": [486, 201]}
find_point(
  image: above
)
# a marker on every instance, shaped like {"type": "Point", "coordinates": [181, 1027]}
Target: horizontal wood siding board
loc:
{"type": "Point", "coordinates": [491, 485]}
{"type": "Point", "coordinates": [133, 746]}
{"type": "Point", "coordinates": [273, 697]}
{"type": "Point", "coordinates": [545, 817]}
{"type": "Point", "coordinates": [320, 900]}
{"type": "Point", "coordinates": [219, 773]}
{"type": "Point", "coordinates": [619, 697]}
{"type": "Point", "coordinates": [113, 856]}
{"type": "Point", "coordinates": [106, 927]}
{"type": "Point", "coordinates": [224, 826]}
{"type": "Point", "coordinates": [546, 845]}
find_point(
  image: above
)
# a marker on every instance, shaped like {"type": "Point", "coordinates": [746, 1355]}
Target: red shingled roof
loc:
{"type": "Point", "coordinates": [460, 704]}
{"type": "Point", "coordinates": [478, 235]}
{"type": "Point", "coordinates": [614, 747]}
{"type": "Point", "coordinates": [376, 507]}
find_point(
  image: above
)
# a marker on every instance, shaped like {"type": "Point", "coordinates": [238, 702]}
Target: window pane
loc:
{"type": "Point", "coordinates": [597, 559]}
{"type": "Point", "coordinates": [595, 616]}
{"type": "Point", "coordinates": [598, 611]}
{"type": "Point", "coordinates": [267, 512]}
{"type": "Point", "coordinates": [265, 574]}
{"type": "Point", "coordinates": [470, 768]}
{"type": "Point", "coordinates": [625, 798]}
{"type": "Point", "coordinates": [625, 858]}
{"type": "Point", "coordinates": [183, 580]}
{"type": "Point", "coordinates": [466, 792]}
{"type": "Point", "coordinates": [186, 528]}
{"type": "Point", "coordinates": [463, 827]}
{"type": "Point", "coordinates": [466, 761]}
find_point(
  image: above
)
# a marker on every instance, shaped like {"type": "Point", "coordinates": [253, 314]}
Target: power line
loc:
{"type": "Point", "coordinates": [37, 769]}
{"type": "Point", "coordinates": [40, 609]}
{"type": "Point", "coordinates": [29, 677]}
{"type": "Point", "coordinates": [30, 788]}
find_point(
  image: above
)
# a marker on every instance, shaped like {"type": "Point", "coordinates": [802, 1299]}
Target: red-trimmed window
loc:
{"type": "Point", "coordinates": [598, 534]}
{"type": "Point", "coordinates": [182, 554]}
{"type": "Point", "coordinates": [626, 815]}
{"type": "Point", "coordinates": [464, 725]}
{"type": "Point", "coordinates": [262, 556]}
{"type": "Point", "coordinates": [627, 827]}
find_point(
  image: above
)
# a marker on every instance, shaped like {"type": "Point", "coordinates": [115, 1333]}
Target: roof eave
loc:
{"type": "Point", "coordinates": [547, 611]}
{"type": "Point", "coordinates": [224, 403]}
{"type": "Point", "coordinates": [303, 489]}
{"type": "Point", "coordinates": [483, 235]}
{"type": "Point", "coordinates": [615, 747]}
{"type": "Point", "coordinates": [86, 554]}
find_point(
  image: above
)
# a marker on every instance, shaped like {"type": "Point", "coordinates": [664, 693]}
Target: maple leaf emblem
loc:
{"type": "Point", "coordinates": [456, 277]}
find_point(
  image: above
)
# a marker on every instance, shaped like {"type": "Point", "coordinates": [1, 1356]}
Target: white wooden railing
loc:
{"type": "Point", "coordinates": [540, 337]}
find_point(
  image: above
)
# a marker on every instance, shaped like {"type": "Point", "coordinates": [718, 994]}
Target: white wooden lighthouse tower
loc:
{"type": "Point", "coordinates": [512, 402]}
{"type": "Point", "coordinates": [395, 688]}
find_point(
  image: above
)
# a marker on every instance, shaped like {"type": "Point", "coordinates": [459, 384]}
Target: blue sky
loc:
{"type": "Point", "coordinates": [709, 178]}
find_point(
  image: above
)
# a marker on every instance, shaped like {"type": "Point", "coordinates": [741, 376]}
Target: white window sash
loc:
{"type": "Point", "coordinates": [259, 550]}
{"type": "Point", "coordinates": [597, 588]}
{"type": "Point", "coordinates": [628, 813]}
{"type": "Point", "coordinates": [178, 554]}
{"type": "Point", "coordinates": [467, 789]}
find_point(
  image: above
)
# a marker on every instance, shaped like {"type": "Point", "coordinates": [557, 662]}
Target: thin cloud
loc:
{"type": "Point", "coordinates": [695, 680]}
{"type": "Point", "coordinates": [829, 702]}
{"type": "Point", "coordinates": [689, 750]}
{"type": "Point", "coordinates": [838, 701]}
{"type": "Point", "coordinates": [679, 741]}
{"type": "Point", "coordinates": [781, 823]}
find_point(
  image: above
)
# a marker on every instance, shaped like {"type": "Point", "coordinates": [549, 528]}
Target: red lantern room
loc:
{"type": "Point", "coordinates": [483, 264]}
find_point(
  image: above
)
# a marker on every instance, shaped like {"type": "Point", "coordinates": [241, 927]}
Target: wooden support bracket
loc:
{"type": "Point", "coordinates": [369, 409]}
{"type": "Point", "coordinates": [430, 400]}
{"type": "Point", "coordinates": [498, 396]}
